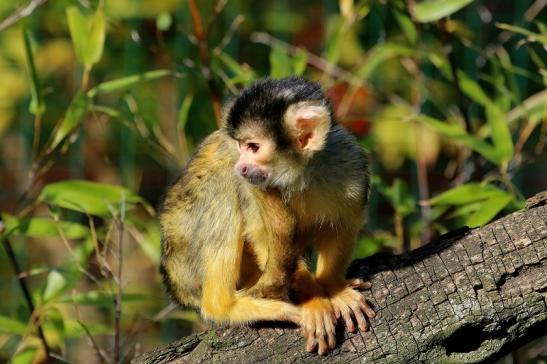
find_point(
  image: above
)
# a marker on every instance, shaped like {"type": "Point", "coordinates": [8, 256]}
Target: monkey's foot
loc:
{"type": "Point", "coordinates": [318, 325]}
{"type": "Point", "coordinates": [350, 302]}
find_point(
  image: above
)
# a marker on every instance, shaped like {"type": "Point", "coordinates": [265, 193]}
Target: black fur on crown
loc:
{"type": "Point", "coordinates": [266, 101]}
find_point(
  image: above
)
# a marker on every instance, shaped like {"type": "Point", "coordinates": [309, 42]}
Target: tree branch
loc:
{"type": "Point", "coordinates": [21, 12]}
{"type": "Point", "coordinates": [471, 296]}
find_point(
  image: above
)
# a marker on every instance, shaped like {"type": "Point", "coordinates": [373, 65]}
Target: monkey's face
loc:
{"type": "Point", "coordinates": [255, 157]}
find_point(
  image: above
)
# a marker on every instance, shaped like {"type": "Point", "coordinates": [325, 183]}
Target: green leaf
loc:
{"type": "Point", "coordinates": [89, 197]}
{"type": "Point", "coordinates": [501, 135]}
{"type": "Point", "coordinates": [472, 89]}
{"type": "Point", "coordinates": [490, 208]}
{"type": "Point", "coordinates": [87, 33]}
{"type": "Point", "coordinates": [280, 62]}
{"type": "Point", "coordinates": [126, 82]}
{"type": "Point", "coordinates": [37, 104]}
{"type": "Point", "coordinates": [164, 21]}
{"type": "Point", "coordinates": [243, 75]}
{"type": "Point", "coordinates": [74, 329]}
{"type": "Point", "coordinates": [102, 299]}
{"type": "Point", "coordinates": [77, 24]}
{"type": "Point", "coordinates": [457, 134]}
{"type": "Point", "coordinates": [531, 36]}
{"type": "Point", "coordinates": [12, 326]}
{"type": "Point", "coordinates": [465, 194]}
{"type": "Point", "coordinates": [39, 227]}
{"type": "Point", "coordinates": [379, 54]}
{"type": "Point", "coordinates": [70, 121]}
{"type": "Point", "coordinates": [55, 284]}
{"type": "Point", "coordinates": [184, 110]}
{"type": "Point", "coordinates": [407, 26]}
{"type": "Point", "coordinates": [25, 356]}
{"type": "Point", "coordinates": [299, 62]}
{"type": "Point", "coordinates": [433, 10]}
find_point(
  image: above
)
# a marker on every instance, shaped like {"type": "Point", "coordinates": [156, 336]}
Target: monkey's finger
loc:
{"type": "Point", "coordinates": [311, 343]}
{"type": "Point", "coordinates": [347, 319]}
{"type": "Point", "coordinates": [361, 319]}
{"type": "Point", "coordinates": [323, 346]}
{"type": "Point", "coordinates": [367, 309]}
{"type": "Point", "coordinates": [336, 313]}
{"type": "Point", "coordinates": [331, 330]}
{"type": "Point", "coordinates": [359, 284]}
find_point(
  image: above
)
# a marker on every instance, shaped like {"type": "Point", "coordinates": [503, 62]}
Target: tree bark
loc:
{"type": "Point", "coordinates": [471, 296]}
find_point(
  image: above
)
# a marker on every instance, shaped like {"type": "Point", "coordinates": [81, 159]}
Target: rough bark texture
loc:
{"type": "Point", "coordinates": [471, 296]}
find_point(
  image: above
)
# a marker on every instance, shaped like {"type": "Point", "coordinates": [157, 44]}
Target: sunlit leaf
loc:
{"type": "Point", "coordinates": [89, 197]}
{"type": "Point", "coordinates": [299, 62]}
{"type": "Point", "coordinates": [70, 121]}
{"type": "Point", "coordinates": [433, 10]}
{"type": "Point", "coordinates": [37, 104]}
{"type": "Point", "coordinates": [12, 326]}
{"type": "Point", "coordinates": [501, 135]}
{"type": "Point", "coordinates": [465, 194]}
{"type": "Point", "coordinates": [25, 356]}
{"type": "Point", "coordinates": [280, 62]}
{"type": "Point", "coordinates": [126, 82]}
{"type": "Point", "coordinates": [184, 110]}
{"type": "Point", "coordinates": [381, 53]}
{"type": "Point", "coordinates": [472, 89]}
{"type": "Point", "coordinates": [457, 134]}
{"type": "Point", "coordinates": [74, 329]}
{"type": "Point", "coordinates": [39, 227]}
{"type": "Point", "coordinates": [164, 21]}
{"type": "Point", "coordinates": [87, 33]}
{"type": "Point", "coordinates": [407, 26]}
{"type": "Point", "coordinates": [55, 284]}
{"type": "Point", "coordinates": [244, 75]}
{"type": "Point", "coordinates": [489, 209]}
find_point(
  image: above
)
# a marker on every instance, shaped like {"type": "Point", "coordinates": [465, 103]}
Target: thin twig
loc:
{"type": "Point", "coordinates": [21, 12]}
{"type": "Point", "coordinates": [24, 287]}
{"type": "Point", "coordinates": [201, 37]}
{"type": "Point", "coordinates": [312, 59]}
{"type": "Point", "coordinates": [118, 314]}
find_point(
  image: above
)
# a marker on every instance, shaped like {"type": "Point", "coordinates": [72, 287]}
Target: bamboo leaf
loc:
{"type": "Point", "coordinates": [70, 121]}
{"type": "Point", "coordinates": [466, 194]}
{"type": "Point", "coordinates": [12, 326]}
{"type": "Point", "coordinates": [37, 105]}
{"type": "Point", "coordinates": [501, 135]}
{"type": "Point", "coordinates": [126, 82]}
{"type": "Point", "coordinates": [89, 197]}
{"type": "Point", "coordinates": [473, 89]}
{"type": "Point", "coordinates": [39, 227]}
{"type": "Point", "coordinates": [88, 34]}
{"type": "Point", "coordinates": [459, 135]}
{"type": "Point", "coordinates": [55, 284]}
{"type": "Point", "coordinates": [430, 11]}
{"type": "Point", "coordinates": [280, 62]}
{"type": "Point", "coordinates": [489, 209]}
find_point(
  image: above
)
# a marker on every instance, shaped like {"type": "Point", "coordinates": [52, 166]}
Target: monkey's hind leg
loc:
{"type": "Point", "coordinates": [221, 302]}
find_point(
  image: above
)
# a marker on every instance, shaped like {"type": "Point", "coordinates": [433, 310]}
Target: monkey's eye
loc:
{"type": "Point", "coordinates": [253, 147]}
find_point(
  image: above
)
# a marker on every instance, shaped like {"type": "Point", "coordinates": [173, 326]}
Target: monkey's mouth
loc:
{"type": "Point", "coordinates": [258, 179]}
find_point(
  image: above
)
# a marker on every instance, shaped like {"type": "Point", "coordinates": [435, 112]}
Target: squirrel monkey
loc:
{"type": "Point", "coordinates": [279, 177]}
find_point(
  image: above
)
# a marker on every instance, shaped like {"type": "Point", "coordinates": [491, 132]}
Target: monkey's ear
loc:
{"type": "Point", "coordinates": [308, 125]}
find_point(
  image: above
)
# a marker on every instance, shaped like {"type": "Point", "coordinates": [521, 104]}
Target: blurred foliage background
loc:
{"type": "Point", "coordinates": [102, 102]}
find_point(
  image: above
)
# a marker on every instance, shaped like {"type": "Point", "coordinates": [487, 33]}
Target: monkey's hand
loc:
{"type": "Point", "coordinates": [349, 302]}
{"type": "Point", "coordinates": [318, 325]}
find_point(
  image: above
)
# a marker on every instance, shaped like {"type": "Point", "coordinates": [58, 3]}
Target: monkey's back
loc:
{"type": "Point", "coordinates": [196, 217]}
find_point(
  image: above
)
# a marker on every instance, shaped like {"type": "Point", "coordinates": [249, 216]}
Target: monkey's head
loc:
{"type": "Point", "coordinates": [279, 125]}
